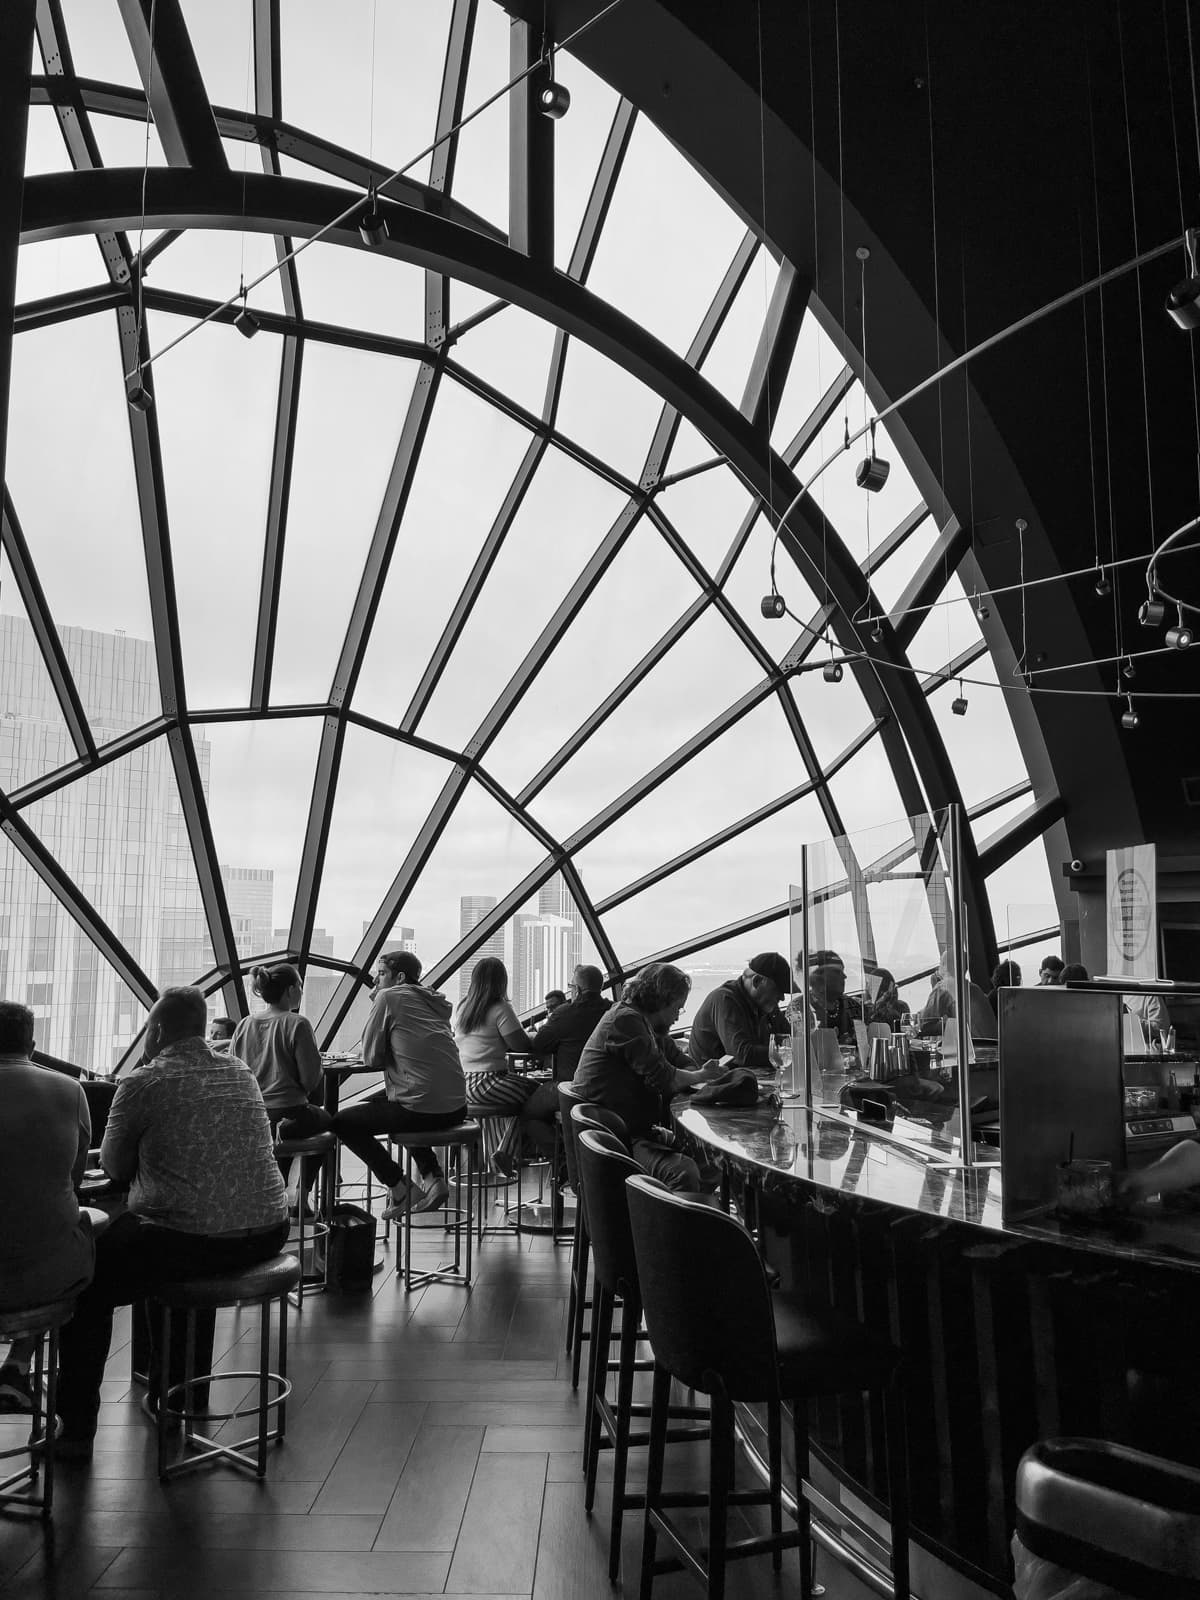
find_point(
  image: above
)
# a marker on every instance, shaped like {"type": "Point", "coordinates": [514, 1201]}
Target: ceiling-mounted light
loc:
{"type": "Point", "coordinates": [1182, 636]}
{"type": "Point", "coordinates": [246, 323]}
{"type": "Point", "coordinates": [981, 610]}
{"type": "Point", "coordinates": [771, 605]}
{"type": "Point", "coordinates": [959, 706]}
{"type": "Point", "coordinates": [832, 672]}
{"type": "Point", "coordinates": [877, 631]}
{"type": "Point", "coordinates": [1129, 717]}
{"type": "Point", "coordinates": [872, 471]}
{"type": "Point", "coordinates": [1103, 582]}
{"type": "Point", "coordinates": [1129, 670]}
{"type": "Point", "coordinates": [136, 393]}
{"type": "Point", "coordinates": [554, 100]}
{"type": "Point", "coordinates": [1183, 301]}
{"type": "Point", "coordinates": [372, 225]}
{"type": "Point", "coordinates": [1152, 613]}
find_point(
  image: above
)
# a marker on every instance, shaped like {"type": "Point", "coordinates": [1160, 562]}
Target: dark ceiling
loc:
{"type": "Point", "coordinates": [994, 156]}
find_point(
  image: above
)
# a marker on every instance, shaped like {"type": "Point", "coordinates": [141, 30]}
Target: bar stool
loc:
{"type": "Point", "coordinates": [261, 1285]}
{"type": "Point", "coordinates": [578, 1115]}
{"type": "Point", "coordinates": [41, 1323]}
{"type": "Point", "coordinates": [466, 1138]}
{"type": "Point", "coordinates": [604, 1166]}
{"type": "Point", "coordinates": [1111, 1514]}
{"type": "Point", "coordinates": [324, 1147]}
{"type": "Point", "coordinates": [715, 1326]}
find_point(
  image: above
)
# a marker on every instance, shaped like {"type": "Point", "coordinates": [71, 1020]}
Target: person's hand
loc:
{"type": "Point", "coordinates": [710, 1070]}
{"type": "Point", "coordinates": [773, 1055]}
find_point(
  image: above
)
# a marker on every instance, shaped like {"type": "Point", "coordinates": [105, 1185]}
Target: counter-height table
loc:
{"type": "Point", "coordinates": [1011, 1332]}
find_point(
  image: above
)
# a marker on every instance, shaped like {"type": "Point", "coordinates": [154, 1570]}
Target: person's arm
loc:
{"type": "Point", "coordinates": [685, 1075]}
{"type": "Point", "coordinates": [1157, 1015]}
{"type": "Point", "coordinates": [309, 1067]}
{"type": "Point", "coordinates": [375, 1034]}
{"type": "Point", "coordinates": [1178, 1169]}
{"type": "Point", "coordinates": [85, 1139]}
{"type": "Point", "coordinates": [549, 1035]}
{"type": "Point", "coordinates": [118, 1153]}
{"type": "Point", "coordinates": [508, 1025]}
{"type": "Point", "coordinates": [736, 1036]}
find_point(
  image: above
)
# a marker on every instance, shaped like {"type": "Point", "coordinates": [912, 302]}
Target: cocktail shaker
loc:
{"type": "Point", "coordinates": [879, 1066]}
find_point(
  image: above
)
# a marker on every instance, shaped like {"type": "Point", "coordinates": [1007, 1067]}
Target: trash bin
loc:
{"type": "Point", "coordinates": [351, 1246]}
{"type": "Point", "coordinates": [1098, 1521]}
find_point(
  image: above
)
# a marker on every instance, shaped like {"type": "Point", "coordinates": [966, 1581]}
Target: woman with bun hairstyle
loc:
{"type": "Point", "coordinates": [280, 1049]}
{"type": "Point", "coordinates": [486, 1029]}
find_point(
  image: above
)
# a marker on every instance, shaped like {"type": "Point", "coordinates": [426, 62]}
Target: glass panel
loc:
{"type": "Point", "coordinates": [511, 351]}
{"type": "Point", "coordinates": [1021, 895]}
{"type": "Point", "coordinates": [56, 266]}
{"type": "Point", "coordinates": [96, 578]}
{"type": "Point", "coordinates": [382, 101]}
{"type": "Point", "coordinates": [706, 512]}
{"type": "Point", "coordinates": [83, 1011]}
{"type": "Point", "coordinates": [605, 410]}
{"type": "Point", "coordinates": [995, 822]}
{"type": "Point", "coordinates": [644, 589]}
{"type": "Point", "coordinates": [578, 146]}
{"type": "Point", "coordinates": [864, 791]}
{"type": "Point", "coordinates": [481, 169]}
{"type": "Point", "coordinates": [99, 45]}
{"type": "Point", "coordinates": [384, 794]}
{"type": "Point", "coordinates": [981, 744]}
{"type": "Point", "coordinates": [949, 628]}
{"type": "Point", "coordinates": [222, 36]}
{"type": "Point", "coordinates": [815, 365]}
{"type": "Point", "coordinates": [717, 963]}
{"type": "Point", "coordinates": [358, 289]}
{"type": "Point", "coordinates": [890, 580]}
{"type": "Point", "coordinates": [448, 516]}
{"type": "Point", "coordinates": [45, 148]}
{"type": "Point", "coordinates": [699, 677]}
{"type": "Point", "coordinates": [727, 365]}
{"type": "Point", "coordinates": [352, 408]}
{"type": "Point", "coordinates": [690, 449]}
{"type": "Point", "coordinates": [532, 573]}
{"type": "Point", "coordinates": [755, 761]}
{"type": "Point", "coordinates": [33, 734]}
{"type": "Point", "coordinates": [667, 242]}
{"type": "Point", "coordinates": [122, 142]}
{"type": "Point", "coordinates": [833, 713]}
{"type": "Point", "coordinates": [212, 262]}
{"type": "Point", "coordinates": [483, 852]}
{"type": "Point", "coordinates": [747, 875]}
{"type": "Point", "coordinates": [119, 834]}
{"type": "Point", "coordinates": [259, 785]}
{"type": "Point", "coordinates": [217, 497]}
{"type": "Point", "coordinates": [750, 580]}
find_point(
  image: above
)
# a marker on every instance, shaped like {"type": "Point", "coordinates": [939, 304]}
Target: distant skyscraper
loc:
{"type": "Point", "coordinates": [555, 900]}
{"type": "Point", "coordinates": [542, 958]}
{"type": "Point", "coordinates": [250, 893]}
{"type": "Point", "coordinates": [472, 910]}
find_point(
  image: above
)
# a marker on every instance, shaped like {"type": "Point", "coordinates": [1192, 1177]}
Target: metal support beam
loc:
{"type": "Point", "coordinates": [51, 782]}
{"type": "Point", "coordinates": [54, 657]}
{"type": "Point", "coordinates": [453, 94]}
{"type": "Point", "coordinates": [316, 833]}
{"type": "Point", "coordinates": [283, 450]}
{"type": "Point", "coordinates": [899, 534]}
{"type": "Point", "coordinates": [171, 77]}
{"type": "Point", "coordinates": [16, 47]}
{"type": "Point", "coordinates": [776, 347]}
{"type": "Point", "coordinates": [927, 583]}
{"type": "Point", "coordinates": [530, 150]}
{"type": "Point", "coordinates": [603, 185]}
{"type": "Point", "coordinates": [1031, 824]}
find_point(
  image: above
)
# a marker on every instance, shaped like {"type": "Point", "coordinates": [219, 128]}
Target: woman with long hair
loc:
{"type": "Point", "coordinates": [280, 1048]}
{"type": "Point", "coordinates": [486, 1029]}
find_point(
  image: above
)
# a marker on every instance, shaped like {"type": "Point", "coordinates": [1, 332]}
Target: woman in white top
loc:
{"type": "Point", "coordinates": [486, 1029]}
{"type": "Point", "coordinates": [280, 1048]}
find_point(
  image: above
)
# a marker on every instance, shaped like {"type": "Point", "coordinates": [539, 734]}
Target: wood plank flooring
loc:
{"type": "Point", "coordinates": [433, 1447]}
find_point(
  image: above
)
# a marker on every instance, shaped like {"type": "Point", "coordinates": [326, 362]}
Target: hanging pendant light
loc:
{"type": "Point", "coordinates": [1183, 301]}
{"type": "Point", "coordinates": [246, 323]}
{"type": "Point", "coordinates": [372, 225]}
{"type": "Point", "coordinates": [1129, 717]}
{"type": "Point", "coordinates": [1103, 584]}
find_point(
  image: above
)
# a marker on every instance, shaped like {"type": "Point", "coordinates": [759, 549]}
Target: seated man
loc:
{"type": "Point", "coordinates": [46, 1247]}
{"type": "Point", "coordinates": [220, 1034]}
{"type": "Point", "coordinates": [555, 1000]}
{"type": "Point", "coordinates": [981, 1019]}
{"type": "Point", "coordinates": [408, 1036]}
{"type": "Point", "coordinates": [829, 1004]}
{"type": "Point", "coordinates": [741, 1019]}
{"type": "Point", "coordinates": [188, 1134]}
{"type": "Point", "coordinates": [563, 1035]}
{"type": "Point", "coordinates": [632, 1066]}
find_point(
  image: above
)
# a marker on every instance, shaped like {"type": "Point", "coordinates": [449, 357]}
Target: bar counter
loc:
{"type": "Point", "coordinates": [1011, 1332]}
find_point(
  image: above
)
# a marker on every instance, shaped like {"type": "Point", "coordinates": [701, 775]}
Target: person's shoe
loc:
{"type": "Point", "coordinates": [398, 1204]}
{"type": "Point", "coordinates": [505, 1164]}
{"type": "Point", "coordinates": [67, 1447]}
{"type": "Point", "coordinates": [436, 1191]}
{"type": "Point", "coordinates": [16, 1390]}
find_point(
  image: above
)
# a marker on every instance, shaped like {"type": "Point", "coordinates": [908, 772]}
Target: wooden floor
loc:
{"type": "Point", "coordinates": [433, 1447]}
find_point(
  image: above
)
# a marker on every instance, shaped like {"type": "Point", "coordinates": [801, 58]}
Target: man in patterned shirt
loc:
{"type": "Point", "coordinates": [188, 1134]}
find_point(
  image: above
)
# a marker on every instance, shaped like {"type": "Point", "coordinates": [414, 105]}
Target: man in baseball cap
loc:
{"type": "Point", "coordinates": [741, 1017]}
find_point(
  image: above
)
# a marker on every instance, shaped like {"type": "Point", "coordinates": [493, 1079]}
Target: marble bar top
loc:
{"type": "Point", "coordinates": [803, 1149]}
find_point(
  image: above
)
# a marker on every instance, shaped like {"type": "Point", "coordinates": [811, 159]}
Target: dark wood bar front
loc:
{"type": "Point", "coordinates": [1011, 1333]}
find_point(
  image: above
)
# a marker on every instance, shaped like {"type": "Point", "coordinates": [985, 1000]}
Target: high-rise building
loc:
{"type": "Point", "coordinates": [319, 982]}
{"type": "Point", "coordinates": [542, 958]}
{"type": "Point", "coordinates": [118, 833]}
{"type": "Point", "coordinates": [472, 910]}
{"type": "Point", "coordinates": [250, 894]}
{"type": "Point", "coordinates": [555, 900]}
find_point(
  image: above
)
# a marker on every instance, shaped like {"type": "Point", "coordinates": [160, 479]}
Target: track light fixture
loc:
{"type": "Point", "coordinates": [1129, 671]}
{"type": "Point", "coordinates": [981, 610]}
{"type": "Point", "coordinates": [771, 605]}
{"type": "Point", "coordinates": [877, 631]}
{"type": "Point", "coordinates": [1103, 582]}
{"type": "Point", "coordinates": [1152, 613]}
{"type": "Point", "coordinates": [1129, 717]}
{"type": "Point", "coordinates": [1182, 636]}
{"type": "Point", "coordinates": [136, 393]}
{"type": "Point", "coordinates": [872, 471]}
{"type": "Point", "coordinates": [554, 100]}
{"type": "Point", "coordinates": [372, 225]}
{"type": "Point", "coordinates": [959, 706]}
{"type": "Point", "coordinates": [832, 672]}
{"type": "Point", "coordinates": [1183, 301]}
{"type": "Point", "coordinates": [246, 323]}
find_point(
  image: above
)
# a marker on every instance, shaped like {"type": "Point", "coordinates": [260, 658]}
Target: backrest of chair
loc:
{"type": "Point", "coordinates": [704, 1292]}
{"type": "Point", "coordinates": [589, 1115]}
{"type": "Point", "coordinates": [568, 1098]}
{"type": "Point", "coordinates": [603, 1168]}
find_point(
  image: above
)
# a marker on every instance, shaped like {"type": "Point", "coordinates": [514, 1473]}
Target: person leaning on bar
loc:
{"type": "Point", "coordinates": [632, 1066]}
{"type": "Point", "coordinates": [741, 1018]}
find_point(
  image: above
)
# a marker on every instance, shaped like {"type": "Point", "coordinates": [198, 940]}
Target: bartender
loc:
{"type": "Point", "coordinates": [1178, 1169]}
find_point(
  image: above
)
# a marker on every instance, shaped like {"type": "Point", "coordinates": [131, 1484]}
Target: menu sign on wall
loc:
{"type": "Point", "coordinates": [1132, 909]}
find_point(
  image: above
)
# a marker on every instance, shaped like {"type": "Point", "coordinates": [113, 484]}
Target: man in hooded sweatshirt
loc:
{"type": "Point", "coordinates": [409, 1037]}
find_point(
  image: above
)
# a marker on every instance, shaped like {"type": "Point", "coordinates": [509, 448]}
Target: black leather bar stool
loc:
{"type": "Point", "coordinates": [458, 1214]}
{"type": "Point", "coordinates": [262, 1285]}
{"type": "Point", "coordinates": [1111, 1514]}
{"type": "Point", "coordinates": [312, 1234]}
{"type": "Point", "coordinates": [604, 1165]}
{"type": "Point", "coordinates": [42, 1323]}
{"type": "Point", "coordinates": [582, 1114]}
{"type": "Point", "coordinates": [715, 1326]}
